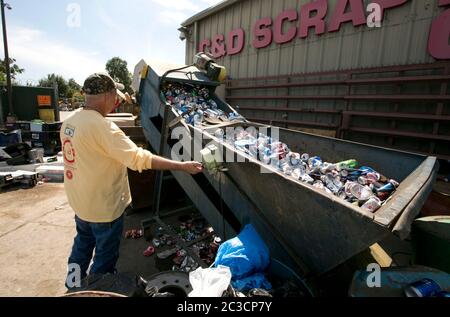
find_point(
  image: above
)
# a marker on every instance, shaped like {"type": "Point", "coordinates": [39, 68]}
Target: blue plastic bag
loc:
{"type": "Point", "coordinates": [245, 255]}
{"type": "Point", "coordinates": [257, 280]}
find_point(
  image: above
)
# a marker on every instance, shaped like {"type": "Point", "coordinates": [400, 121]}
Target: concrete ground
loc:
{"type": "Point", "coordinates": [36, 235]}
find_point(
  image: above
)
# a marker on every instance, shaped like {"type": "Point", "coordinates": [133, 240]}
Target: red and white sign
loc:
{"type": "Point", "coordinates": [312, 16]}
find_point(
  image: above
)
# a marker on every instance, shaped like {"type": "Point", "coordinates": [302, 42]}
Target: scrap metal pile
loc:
{"type": "Point", "coordinates": [190, 231]}
{"type": "Point", "coordinates": [359, 185]}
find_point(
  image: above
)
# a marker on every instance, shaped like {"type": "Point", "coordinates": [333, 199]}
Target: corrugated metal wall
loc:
{"type": "Point", "coordinates": [402, 40]}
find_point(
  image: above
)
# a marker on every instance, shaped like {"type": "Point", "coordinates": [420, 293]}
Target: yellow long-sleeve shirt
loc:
{"type": "Point", "coordinates": [96, 157]}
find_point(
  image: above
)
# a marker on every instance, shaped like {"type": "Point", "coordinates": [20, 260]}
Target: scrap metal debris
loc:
{"type": "Point", "coordinates": [134, 234]}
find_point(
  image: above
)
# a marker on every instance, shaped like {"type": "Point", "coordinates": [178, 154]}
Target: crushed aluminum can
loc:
{"type": "Point", "coordinates": [188, 262]}
{"type": "Point", "coordinates": [376, 186]}
{"type": "Point", "coordinates": [297, 173]}
{"type": "Point", "coordinates": [423, 288]}
{"type": "Point", "coordinates": [315, 162]}
{"type": "Point", "coordinates": [156, 243]}
{"type": "Point", "coordinates": [362, 180]}
{"type": "Point", "coordinates": [307, 179]}
{"type": "Point", "coordinates": [383, 195]}
{"type": "Point", "coordinates": [347, 190]}
{"type": "Point", "coordinates": [372, 205]}
{"type": "Point", "coordinates": [149, 251]}
{"type": "Point", "coordinates": [305, 157]}
{"type": "Point", "coordinates": [327, 168]}
{"type": "Point", "coordinates": [388, 188]}
{"type": "Point", "coordinates": [349, 164]}
{"type": "Point", "coordinates": [332, 183]}
{"type": "Point", "coordinates": [344, 173]}
{"type": "Point", "coordinates": [319, 185]}
{"type": "Point", "coordinates": [373, 178]}
{"type": "Point", "coordinates": [336, 174]}
{"type": "Point", "coordinates": [190, 236]}
{"type": "Point", "coordinates": [287, 169]}
{"type": "Point", "coordinates": [267, 160]}
{"type": "Point", "coordinates": [219, 133]}
{"type": "Point", "coordinates": [384, 179]}
{"type": "Point", "coordinates": [367, 170]}
{"type": "Point", "coordinates": [294, 159]}
{"type": "Point", "coordinates": [314, 170]}
{"type": "Point", "coordinates": [342, 194]}
{"type": "Point", "coordinates": [362, 193]}
{"type": "Point", "coordinates": [394, 183]}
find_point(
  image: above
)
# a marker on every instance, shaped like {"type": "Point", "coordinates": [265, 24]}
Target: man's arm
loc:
{"type": "Point", "coordinates": [118, 146]}
{"type": "Point", "coordinates": [162, 164]}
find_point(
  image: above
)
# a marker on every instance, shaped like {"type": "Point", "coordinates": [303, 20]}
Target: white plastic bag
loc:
{"type": "Point", "coordinates": [210, 282]}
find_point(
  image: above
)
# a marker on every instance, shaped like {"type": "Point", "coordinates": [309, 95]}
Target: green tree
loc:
{"type": "Point", "coordinates": [74, 88]}
{"type": "Point", "coordinates": [117, 68]}
{"type": "Point", "coordinates": [15, 70]}
{"type": "Point", "coordinates": [78, 100]}
{"type": "Point", "coordinates": [63, 86]}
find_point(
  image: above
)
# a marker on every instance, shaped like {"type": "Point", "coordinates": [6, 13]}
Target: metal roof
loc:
{"type": "Point", "coordinates": [211, 10]}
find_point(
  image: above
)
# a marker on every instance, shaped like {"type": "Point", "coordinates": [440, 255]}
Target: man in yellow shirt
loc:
{"type": "Point", "coordinates": [96, 157]}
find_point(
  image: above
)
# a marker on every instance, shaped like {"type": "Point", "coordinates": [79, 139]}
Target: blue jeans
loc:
{"type": "Point", "coordinates": [104, 238]}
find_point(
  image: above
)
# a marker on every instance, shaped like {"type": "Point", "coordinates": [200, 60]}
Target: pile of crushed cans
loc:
{"type": "Point", "coordinates": [195, 104]}
{"type": "Point", "coordinates": [206, 251]}
{"type": "Point", "coordinates": [359, 185]}
{"type": "Point", "coordinates": [189, 230]}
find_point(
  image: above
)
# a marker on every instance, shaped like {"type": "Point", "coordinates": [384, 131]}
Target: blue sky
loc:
{"type": "Point", "coordinates": [42, 40]}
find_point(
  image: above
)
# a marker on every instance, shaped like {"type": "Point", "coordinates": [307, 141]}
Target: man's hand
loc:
{"type": "Point", "coordinates": [192, 168]}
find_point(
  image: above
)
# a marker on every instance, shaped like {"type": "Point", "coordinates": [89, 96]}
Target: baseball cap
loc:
{"type": "Point", "coordinates": [100, 83]}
